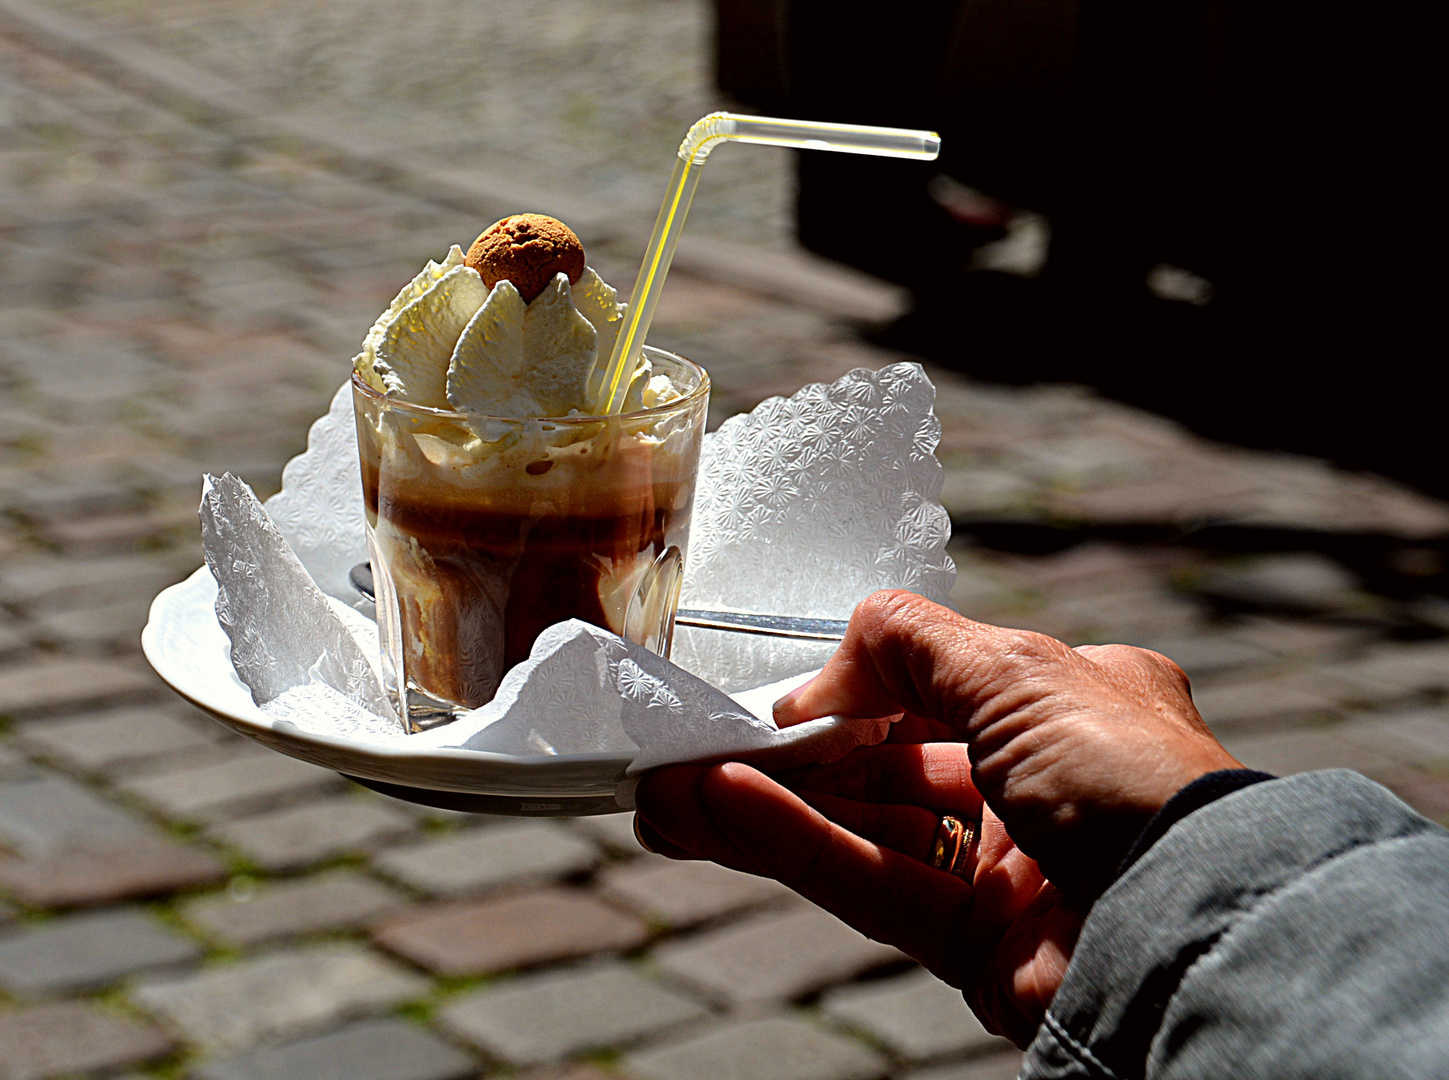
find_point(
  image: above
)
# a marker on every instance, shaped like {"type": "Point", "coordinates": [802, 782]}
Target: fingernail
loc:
{"type": "Point", "coordinates": [788, 701]}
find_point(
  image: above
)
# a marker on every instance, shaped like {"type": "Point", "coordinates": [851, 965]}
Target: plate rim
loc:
{"type": "Point", "coordinates": [510, 775]}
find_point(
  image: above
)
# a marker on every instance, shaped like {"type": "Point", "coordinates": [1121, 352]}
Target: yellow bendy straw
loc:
{"type": "Point", "coordinates": [702, 138]}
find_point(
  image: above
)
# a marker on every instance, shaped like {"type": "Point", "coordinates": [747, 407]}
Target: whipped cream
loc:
{"type": "Point", "coordinates": [448, 342]}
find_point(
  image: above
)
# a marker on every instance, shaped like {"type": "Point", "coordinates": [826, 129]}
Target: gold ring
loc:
{"type": "Point", "coordinates": [952, 850]}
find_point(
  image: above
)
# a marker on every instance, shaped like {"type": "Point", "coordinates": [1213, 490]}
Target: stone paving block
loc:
{"type": "Point", "coordinates": [1425, 793]}
{"type": "Point", "coordinates": [73, 499]}
{"type": "Point", "coordinates": [86, 952]}
{"type": "Point", "coordinates": [480, 936]}
{"type": "Point", "coordinates": [978, 588]}
{"type": "Point", "coordinates": [114, 533]}
{"type": "Point", "coordinates": [1130, 615]}
{"type": "Point", "coordinates": [117, 624]}
{"type": "Point", "coordinates": [1300, 637]}
{"type": "Point", "coordinates": [574, 1071]}
{"type": "Point", "coordinates": [1387, 674]}
{"type": "Point", "coordinates": [278, 995]}
{"type": "Point", "coordinates": [11, 639]}
{"type": "Point", "coordinates": [1206, 655]}
{"type": "Point", "coordinates": [614, 831]}
{"type": "Point", "coordinates": [1303, 581]}
{"type": "Point", "coordinates": [773, 957]}
{"type": "Point", "coordinates": [117, 739]}
{"type": "Point", "coordinates": [1418, 737]}
{"type": "Point", "coordinates": [1092, 567]}
{"type": "Point", "coordinates": [481, 859]}
{"type": "Point", "coordinates": [41, 686]}
{"type": "Point", "coordinates": [551, 1016]}
{"type": "Point", "coordinates": [245, 301]}
{"type": "Point", "coordinates": [370, 1050]}
{"type": "Point", "coordinates": [337, 900]}
{"type": "Point", "coordinates": [71, 1037]}
{"type": "Point", "coordinates": [1228, 706]}
{"type": "Point", "coordinates": [1003, 1066]}
{"type": "Point", "coordinates": [248, 780]}
{"type": "Point", "coordinates": [82, 877]}
{"type": "Point", "coordinates": [58, 583]}
{"type": "Point", "coordinates": [1434, 655]}
{"type": "Point", "coordinates": [69, 847]}
{"type": "Point", "coordinates": [916, 1016]}
{"type": "Point", "coordinates": [301, 835]}
{"type": "Point", "coordinates": [684, 894]}
{"type": "Point", "coordinates": [43, 814]}
{"type": "Point", "coordinates": [13, 765]}
{"type": "Point", "coordinates": [1286, 752]}
{"type": "Point", "coordinates": [776, 1048]}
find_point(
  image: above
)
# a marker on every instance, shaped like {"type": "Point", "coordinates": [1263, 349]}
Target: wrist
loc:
{"type": "Point", "coordinates": [1206, 789]}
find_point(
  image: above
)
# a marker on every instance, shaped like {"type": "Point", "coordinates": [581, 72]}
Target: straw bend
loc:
{"type": "Point", "coordinates": [719, 127]}
{"type": "Point", "coordinates": [704, 136]}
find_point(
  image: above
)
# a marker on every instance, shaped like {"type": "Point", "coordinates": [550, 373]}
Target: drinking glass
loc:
{"type": "Point", "coordinates": [485, 530]}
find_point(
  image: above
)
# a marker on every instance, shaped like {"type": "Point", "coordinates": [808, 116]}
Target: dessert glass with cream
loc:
{"type": "Point", "coordinates": [500, 497]}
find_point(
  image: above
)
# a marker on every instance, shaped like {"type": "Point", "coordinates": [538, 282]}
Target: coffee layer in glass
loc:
{"type": "Point", "coordinates": [485, 530]}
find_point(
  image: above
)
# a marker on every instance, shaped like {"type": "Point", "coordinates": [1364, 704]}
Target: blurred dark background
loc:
{"type": "Point", "coordinates": [1235, 194]}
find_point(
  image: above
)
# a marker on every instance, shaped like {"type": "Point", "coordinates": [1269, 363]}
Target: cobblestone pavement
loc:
{"type": "Point", "coordinates": [182, 293]}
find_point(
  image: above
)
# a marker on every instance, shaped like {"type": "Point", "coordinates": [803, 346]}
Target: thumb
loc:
{"type": "Point", "coordinates": [902, 653]}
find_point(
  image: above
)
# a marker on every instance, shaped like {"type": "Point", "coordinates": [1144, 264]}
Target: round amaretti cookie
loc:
{"type": "Point", "coordinates": [528, 250]}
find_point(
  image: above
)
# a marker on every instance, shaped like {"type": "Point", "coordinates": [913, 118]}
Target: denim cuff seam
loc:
{"type": "Point", "coordinates": [1081, 1053]}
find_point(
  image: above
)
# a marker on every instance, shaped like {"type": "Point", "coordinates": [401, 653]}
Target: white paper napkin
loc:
{"type": "Point", "coordinates": [805, 506]}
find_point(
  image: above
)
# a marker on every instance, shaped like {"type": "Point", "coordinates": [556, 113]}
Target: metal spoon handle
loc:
{"type": "Point", "coordinates": [785, 626]}
{"type": "Point", "coordinates": [740, 622]}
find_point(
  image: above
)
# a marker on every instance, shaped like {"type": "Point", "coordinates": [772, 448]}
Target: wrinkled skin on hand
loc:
{"type": "Point", "coordinates": [1064, 753]}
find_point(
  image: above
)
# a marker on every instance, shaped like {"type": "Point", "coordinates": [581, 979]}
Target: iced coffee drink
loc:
{"type": "Point", "coordinates": [499, 498]}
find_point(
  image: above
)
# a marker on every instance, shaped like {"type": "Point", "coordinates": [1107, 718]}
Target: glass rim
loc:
{"type": "Point", "coordinates": [701, 391]}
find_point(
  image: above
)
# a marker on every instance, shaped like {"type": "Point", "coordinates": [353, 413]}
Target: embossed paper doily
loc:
{"type": "Point", "coordinates": [807, 505]}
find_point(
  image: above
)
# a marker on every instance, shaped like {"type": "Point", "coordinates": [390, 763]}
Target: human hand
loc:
{"type": "Point", "coordinates": [856, 838]}
{"type": "Point", "coordinates": [1074, 749]}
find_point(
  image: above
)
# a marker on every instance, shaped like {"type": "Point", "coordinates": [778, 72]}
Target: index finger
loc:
{"type": "Point", "coordinates": [902, 653]}
{"type": "Point", "coordinates": [933, 775]}
{"type": "Point", "coordinates": [862, 883]}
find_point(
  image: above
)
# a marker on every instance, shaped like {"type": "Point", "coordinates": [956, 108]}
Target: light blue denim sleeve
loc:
{"type": "Point", "coordinates": [1296, 929]}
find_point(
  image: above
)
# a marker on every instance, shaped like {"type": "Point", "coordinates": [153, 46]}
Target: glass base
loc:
{"type": "Point", "coordinates": [422, 711]}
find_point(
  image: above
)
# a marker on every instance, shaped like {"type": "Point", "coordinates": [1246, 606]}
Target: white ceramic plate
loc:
{"type": "Point", "coordinates": [191, 652]}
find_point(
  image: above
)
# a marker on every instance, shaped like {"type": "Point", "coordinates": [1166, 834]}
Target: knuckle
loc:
{"type": "Point", "coordinates": [1114, 653]}
{"type": "Point", "coordinates": [1170, 668]}
{"type": "Point", "coordinates": [1154, 665]}
{"type": "Point", "coordinates": [1033, 646]}
{"type": "Point", "coordinates": [1121, 657]}
{"type": "Point", "coordinates": [1161, 667]}
{"type": "Point", "coordinates": [893, 609]}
